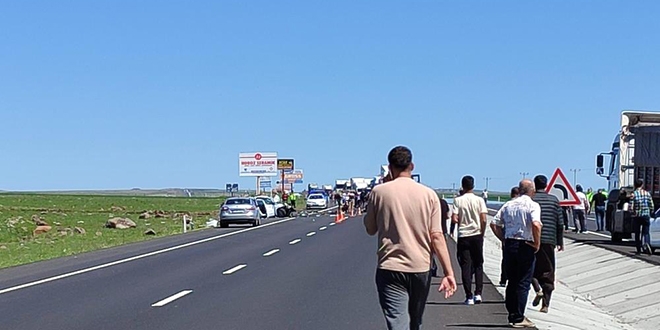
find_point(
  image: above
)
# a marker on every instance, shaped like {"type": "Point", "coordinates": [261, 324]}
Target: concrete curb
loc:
{"type": "Point", "coordinates": [595, 289]}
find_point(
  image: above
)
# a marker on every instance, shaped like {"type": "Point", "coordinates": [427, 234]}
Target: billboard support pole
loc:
{"type": "Point", "coordinates": [282, 183]}
{"type": "Point", "coordinates": [258, 182]}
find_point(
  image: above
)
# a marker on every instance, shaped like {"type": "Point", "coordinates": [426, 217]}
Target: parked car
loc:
{"type": "Point", "coordinates": [270, 206]}
{"type": "Point", "coordinates": [240, 210]}
{"type": "Point", "coordinates": [317, 201]}
{"type": "Point", "coordinates": [654, 231]}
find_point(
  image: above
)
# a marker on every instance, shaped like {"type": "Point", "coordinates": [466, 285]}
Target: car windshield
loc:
{"type": "Point", "coordinates": [243, 201]}
{"type": "Point", "coordinates": [316, 197]}
{"type": "Point", "coordinates": [265, 200]}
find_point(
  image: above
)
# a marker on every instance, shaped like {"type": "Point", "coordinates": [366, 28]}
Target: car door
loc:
{"type": "Point", "coordinates": [654, 230]}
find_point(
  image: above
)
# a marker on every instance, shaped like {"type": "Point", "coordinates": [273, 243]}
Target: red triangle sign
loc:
{"type": "Point", "coordinates": [561, 188]}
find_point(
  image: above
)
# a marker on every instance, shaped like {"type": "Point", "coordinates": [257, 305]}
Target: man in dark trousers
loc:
{"type": "Point", "coordinates": [518, 225]}
{"type": "Point", "coordinates": [599, 201]}
{"type": "Point", "coordinates": [552, 236]}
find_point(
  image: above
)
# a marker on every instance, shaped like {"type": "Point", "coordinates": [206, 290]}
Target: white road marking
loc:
{"type": "Point", "coordinates": [332, 224]}
{"type": "Point", "coordinates": [323, 228]}
{"type": "Point", "coordinates": [271, 252]}
{"type": "Point", "coordinates": [141, 256]}
{"type": "Point", "coordinates": [310, 234]}
{"type": "Point", "coordinates": [234, 269]}
{"type": "Point", "coordinates": [172, 298]}
{"type": "Point", "coordinates": [295, 241]}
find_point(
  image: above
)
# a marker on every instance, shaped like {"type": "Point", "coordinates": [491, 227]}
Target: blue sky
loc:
{"type": "Point", "coordinates": [151, 94]}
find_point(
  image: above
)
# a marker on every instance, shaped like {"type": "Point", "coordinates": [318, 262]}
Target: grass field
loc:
{"type": "Point", "coordinates": [18, 244]}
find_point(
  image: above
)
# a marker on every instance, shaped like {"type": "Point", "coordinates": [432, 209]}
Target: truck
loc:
{"type": "Point", "coordinates": [342, 184]}
{"type": "Point", "coordinates": [360, 184]}
{"type": "Point", "coordinates": [635, 154]}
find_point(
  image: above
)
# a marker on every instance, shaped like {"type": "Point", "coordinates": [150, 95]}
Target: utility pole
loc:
{"type": "Point", "coordinates": [575, 170]}
{"type": "Point", "coordinates": [524, 174]}
{"type": "Point", "coordinates": [487, 181]}
{"type": "Point", "coordinates": [453, 186]}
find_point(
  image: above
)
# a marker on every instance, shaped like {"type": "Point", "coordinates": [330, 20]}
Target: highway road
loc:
{"type": "Point", "coordinates": [302, 273]}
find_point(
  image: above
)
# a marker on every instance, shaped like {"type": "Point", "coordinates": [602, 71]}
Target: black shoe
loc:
{"type": "Point", "coordinates": [537, 299]}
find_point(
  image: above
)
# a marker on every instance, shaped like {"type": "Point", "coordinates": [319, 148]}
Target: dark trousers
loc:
{"type": "Point", "coordinates": [402, 297]}
{"type": "Point", "coordinates": [503, 277]}
{"type": "Point", "coordinates": [600, 217]}
{"type": "Point", "coordinates": [641, 230]}
{"type": "Point", "coordinates": [565, 215]}
{"type": "Point", "coordinates": [520, 259]}
{"type": "Point", "coordinates": [579, 220]}
{"type": "Point", "coordinates": [544, 272]}
{"type": "Point", "coordinates": [470, 251]}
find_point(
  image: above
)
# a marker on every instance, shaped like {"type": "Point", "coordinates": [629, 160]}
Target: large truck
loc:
{"type": "Point", "coordinates": [635, 154]}
{"type": "Point", "coordinates": [360, 184]}
{"type": "Point", "coordinates": [342, 184]}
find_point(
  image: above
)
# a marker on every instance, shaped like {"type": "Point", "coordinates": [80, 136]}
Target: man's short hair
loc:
{"type": "Point", "coordinates": [540, 182]}
{"type": "Point", "coordinates": [515, 192]}
{"type": "Point", "coordinates": [578, 188]}
{"type": "Point", "coordinates": [467, 182]}
{"type": "Point", "coordinates": [639, 183]}
{"type": "Point", "coordinates": [400, 158]}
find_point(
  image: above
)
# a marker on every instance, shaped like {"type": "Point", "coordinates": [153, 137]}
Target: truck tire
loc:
{"type": "Point", "coordinates": [617, 237]}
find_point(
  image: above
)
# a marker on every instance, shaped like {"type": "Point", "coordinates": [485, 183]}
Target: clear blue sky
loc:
{"type": "Point", "coordinates": [151, 94]}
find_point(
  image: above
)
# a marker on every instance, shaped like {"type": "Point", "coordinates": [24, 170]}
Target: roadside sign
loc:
{"type": "Point", "coordinates": [285, 164]}
{"type": "Point", "coordinates": [560, 187]}
{"type": "Point", "coordinates": [265, 184]}
{"type": "Point", "coordinates": [295, 176]}
{"type": "Point", "coordinates": [234, 187]}
{"type": "Point", "coordinates": [228, 187]}
{"type": "Point", "coordinates": [257, 164]}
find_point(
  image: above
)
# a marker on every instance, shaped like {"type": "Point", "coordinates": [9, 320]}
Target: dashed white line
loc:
{"type": "Point", "coordinates": [310, 234]}
{"type": "Point", "coordinates": [234, 269]}
{"type": "Point", "coordinates": [323, 228]}
{"type": "Point", "coordinates": [295, 241]}
{"type": "Point", "coordinates": [172, 298]}
{"type": "Point", "coordinates": [271, 252]}
{"type": "Point", "coordinates": [332, 224]}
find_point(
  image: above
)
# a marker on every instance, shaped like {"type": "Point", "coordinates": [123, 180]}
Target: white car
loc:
{"type": "Point", "coordinates": [654, 231]}
{"type": "Point", "coordinates": [271, 207]}
{"type": "Point", "coordinates": [316, 201]}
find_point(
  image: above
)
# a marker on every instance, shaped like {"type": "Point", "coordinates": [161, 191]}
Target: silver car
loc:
{"type": "Point", "coordinates": [240, 210]}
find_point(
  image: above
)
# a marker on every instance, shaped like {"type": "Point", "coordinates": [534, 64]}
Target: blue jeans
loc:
{"type": "Point", "coordinates": [600, 217]}
{"type": "Point", "coordinates": [519, 259]}
{"type": "Point", "coordinates": [403, 297]}
{"type": "Point", "coordinates": [641, 230]}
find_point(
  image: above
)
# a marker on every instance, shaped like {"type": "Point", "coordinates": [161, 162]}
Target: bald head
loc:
{"type": "Point", "coordinates": [526, 187]}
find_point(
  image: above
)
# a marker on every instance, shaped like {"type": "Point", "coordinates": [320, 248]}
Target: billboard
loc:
{"type": "Point", "coordinates": [295, 176]}
{"type": "Point", "coordinates": [257, 164]}
{"type": "Point", "coordinates": [285, 164]}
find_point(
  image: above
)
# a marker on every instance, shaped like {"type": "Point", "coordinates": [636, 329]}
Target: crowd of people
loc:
{"type": "Point", "coordinates": [410, 221]}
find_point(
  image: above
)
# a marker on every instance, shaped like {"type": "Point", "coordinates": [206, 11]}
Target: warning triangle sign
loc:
{"type": "Point", "coordinates": [560, 187]}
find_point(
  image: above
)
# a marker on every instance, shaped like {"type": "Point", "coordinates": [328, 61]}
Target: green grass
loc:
{"type": "Point", "coordinates": [18, 245]}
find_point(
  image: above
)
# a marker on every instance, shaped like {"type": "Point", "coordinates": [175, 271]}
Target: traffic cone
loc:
{"type": "Point", "coordinates": [339, 218]}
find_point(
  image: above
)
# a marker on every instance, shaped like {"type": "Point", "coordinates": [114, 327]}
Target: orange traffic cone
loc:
{"type": "Point", "coordinates": [339, 218]}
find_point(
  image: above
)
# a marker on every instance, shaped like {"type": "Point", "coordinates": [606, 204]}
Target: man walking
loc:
{"type": "Point", "coordinates": [598, 202]}
{"type": "Point", "coordinates": [518, 225]}
{"type": "Point", "coordinates": [580, 211]}
{"type": "Point", "coordinates": [515, 192]}
{"type": "Point", "coordinates": [552, 236]}
{"type": "Point", "coordinates": [406, 217]}
{"type": "Point", "coordinates": [470, 214]}
{"type": "Point", "coordinates": [642, 206]}
{"type": "Point", "coordinates": [444, 216]}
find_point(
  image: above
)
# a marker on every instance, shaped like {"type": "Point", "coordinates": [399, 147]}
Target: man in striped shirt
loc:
{"type": "Point", "coordinates": [552, 236]}
{"type": "Point", "coordinates": [642, 206]}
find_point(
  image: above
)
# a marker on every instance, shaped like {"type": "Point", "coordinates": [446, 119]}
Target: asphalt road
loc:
{"type": "Point", "coordinates": [298, 274]}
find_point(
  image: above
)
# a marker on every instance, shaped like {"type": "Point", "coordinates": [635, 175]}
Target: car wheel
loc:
{"type": "Point", "coordinates": [224, 225]}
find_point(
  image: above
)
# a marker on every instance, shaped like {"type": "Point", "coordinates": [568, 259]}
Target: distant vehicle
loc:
{"type": "Point", "coordinates": [240, 210]}
{"type": "Point", "coordinates": [359, 184]}
{"type": "Point", "coordinates": [342, 184]}
{"type": "Point", "coordinates": [633, 156]}
{"type": "Point", "coordinates": [317, 201]}
{"type": "Point", "coordinates": [270, 206]}
{"type": "Point", "coordinates": [312, 186]}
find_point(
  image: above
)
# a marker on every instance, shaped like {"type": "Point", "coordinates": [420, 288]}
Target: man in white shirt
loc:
{"type": "Point", "coordinates": [579, 211]}
{"type": "Point", "coordinates": [470, 214]}
{"type": "Point", "coordinates": [518, 225]}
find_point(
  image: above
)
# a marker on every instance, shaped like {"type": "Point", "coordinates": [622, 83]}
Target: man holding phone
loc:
{"type": "Point", "coordinates": [406, 216]}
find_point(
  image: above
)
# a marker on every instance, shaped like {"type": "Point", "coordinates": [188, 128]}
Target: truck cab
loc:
{"type": "Point", "coordinates": [635, 154]}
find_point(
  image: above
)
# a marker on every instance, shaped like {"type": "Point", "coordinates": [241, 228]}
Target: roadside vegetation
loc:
{"type": "Point", "coordinates": [73, 224]}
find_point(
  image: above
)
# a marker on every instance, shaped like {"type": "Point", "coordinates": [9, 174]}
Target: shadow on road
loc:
{"type": "Point", "coordinates": [479, 326]}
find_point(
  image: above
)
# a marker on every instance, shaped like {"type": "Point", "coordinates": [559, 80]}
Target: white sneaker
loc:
{"type": "Point", "coordinates": [477, 299]}
{"type": "Point", "coordinates": [469, 301]}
